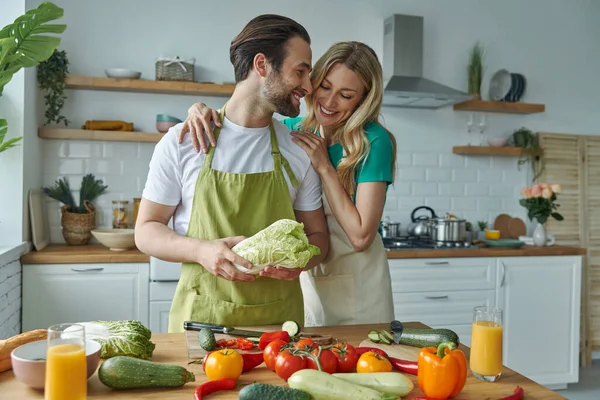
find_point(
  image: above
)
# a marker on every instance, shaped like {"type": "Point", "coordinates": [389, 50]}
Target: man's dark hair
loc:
{"type": "Point", "coordinates": [267, 34]}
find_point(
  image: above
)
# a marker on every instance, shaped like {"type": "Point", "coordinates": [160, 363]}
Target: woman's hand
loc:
{"type": "Point", "coordinates": [316, 148]}
{"type": "Point", "coordinates": [199, 120]}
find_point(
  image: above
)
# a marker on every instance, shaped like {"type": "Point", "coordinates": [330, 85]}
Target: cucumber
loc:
{"type": "Point", "coordinates": [207, 340]}
{"type": "Point", "coordinates": [384, 338]}
{"type": "Point", "coordinates": [262, 391]}
{"type": "Point", "coordinates": [387, 335]}
{"type": "Point", "coordinates": [374, 336]}
{"type": "Point", "coordinates": [291, 327]}
{"type": "Point", "coordinates": [124, 372]}
{"type": "Point", "coordinates": [428, 337]}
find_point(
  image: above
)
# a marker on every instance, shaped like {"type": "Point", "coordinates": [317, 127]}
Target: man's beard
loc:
{"type": "Point", "coordinates": [279, 96]}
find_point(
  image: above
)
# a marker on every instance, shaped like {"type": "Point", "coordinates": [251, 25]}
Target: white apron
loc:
{"type": "Point", "coordinates": [348, 287]}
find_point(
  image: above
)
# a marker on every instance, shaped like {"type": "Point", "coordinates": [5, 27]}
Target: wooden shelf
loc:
{"type": "Point", "coordinates": [500, 107]}
{"type": "Point", "coordinates": [148, 86]}
{"type": "Point", "coordinates": [490, 151]}
{"type": "Point", "coordinates": [107, 136]}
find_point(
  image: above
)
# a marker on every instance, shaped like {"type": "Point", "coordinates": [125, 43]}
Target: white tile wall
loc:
{"type": "Point", "coordinates": [10, 299]}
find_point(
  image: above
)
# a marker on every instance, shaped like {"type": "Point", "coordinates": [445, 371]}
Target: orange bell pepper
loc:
{"type": "Point", "coordinates": [442, 371]}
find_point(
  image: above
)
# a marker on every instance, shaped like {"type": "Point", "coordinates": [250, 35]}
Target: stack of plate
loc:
{"type": "Point", "coordinates": [506, 86]}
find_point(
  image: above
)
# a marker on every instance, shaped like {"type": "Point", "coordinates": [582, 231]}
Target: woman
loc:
{"type": "Point", "coordinates": [355, 158]}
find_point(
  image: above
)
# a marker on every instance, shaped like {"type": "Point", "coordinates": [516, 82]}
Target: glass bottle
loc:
{"type": "Point", "coordinates": [136, 208]}
{"type": "Point", "coordinates": [120, 218]}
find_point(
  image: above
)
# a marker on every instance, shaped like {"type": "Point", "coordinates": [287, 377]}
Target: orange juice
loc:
{"type": "Point", "coordinates": [486, 348]}
{"type": "Point", "coordinates": [66, 373]}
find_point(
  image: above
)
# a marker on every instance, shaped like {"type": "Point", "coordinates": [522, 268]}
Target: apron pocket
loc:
{"type": "Point", "coordinates": [219, 312]}
{"type": "Point", "coordinates": [337, 297]}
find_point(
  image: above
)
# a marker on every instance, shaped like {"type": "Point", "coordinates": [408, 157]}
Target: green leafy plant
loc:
{"type": "Point", "coordinates": [51, 76]}
{"type": "Point", "coordinates": [482, 225]}
{"type": "Point", "coordinates": [23, 44]}
{"type": "Point", "coordinates": [475, 69]}
{"type": "Point", "coordinates": [540, 202]}
{"type": "Point", "coordinates": [531, 151]}
{"type": "Point", "coordinates": [468, 226]}
{"type": "Point", "coordinates": [91, 189]}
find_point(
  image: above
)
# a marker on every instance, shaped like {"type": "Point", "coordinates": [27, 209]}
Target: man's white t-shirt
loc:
{"type": "Point", "coordinates": [174, 168]}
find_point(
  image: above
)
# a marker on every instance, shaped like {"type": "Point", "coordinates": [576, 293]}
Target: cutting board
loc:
{"type": "Point", "coordinates": [400, 351]}
{"type": "Point", "coordinates": [196, 352]}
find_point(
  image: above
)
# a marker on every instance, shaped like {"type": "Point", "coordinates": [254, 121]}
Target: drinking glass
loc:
{"type": "Point", "coordinates": [486, 344]}
{"type": "Point", "coordinates": [66, 369]}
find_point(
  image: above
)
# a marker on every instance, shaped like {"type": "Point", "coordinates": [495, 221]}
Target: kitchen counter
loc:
{"type": "Point", "coordinates": [171, 348]}
{"type": "Point", "coordinates": [97, 253]}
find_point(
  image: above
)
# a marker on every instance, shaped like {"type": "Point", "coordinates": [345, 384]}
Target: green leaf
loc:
{"type": "Point", "coordinates": [9, 144]}
{"type": "Point", "coordinates": [557, 216]}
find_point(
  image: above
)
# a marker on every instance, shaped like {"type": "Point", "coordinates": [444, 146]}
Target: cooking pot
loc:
{"type": "Point", "coordinates": [390, 229]}
{"type": "Point", "coordinates": [448, 229]}
{"type": "Point", "coordinates": [420, 225]}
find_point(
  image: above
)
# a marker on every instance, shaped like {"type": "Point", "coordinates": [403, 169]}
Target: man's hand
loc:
{"type": "Point", "coordinates": [281, 273]}
{"type": "Point", "coordinates": [216, 256]}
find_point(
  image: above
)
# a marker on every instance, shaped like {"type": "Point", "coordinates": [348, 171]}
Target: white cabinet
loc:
{"type": "Point", "coordinates": [56, 293]}
{"type": "Point", "coordinates": [541, 299]}
{"type": "Point", "coordinates": [161, 298]}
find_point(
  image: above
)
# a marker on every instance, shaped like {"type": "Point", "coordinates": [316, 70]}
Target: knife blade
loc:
{"type": "Point", "coordinates": [229, 330]}
{"type": "Point", "coordinates": [396, 328]}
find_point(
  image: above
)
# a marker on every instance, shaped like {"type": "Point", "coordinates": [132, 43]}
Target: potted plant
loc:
{"type": "Point", "coordinates": [77, 221]}
{"type": "Point", "coordinates": [531, 151]}
{"type": "Point", "coordinates": [475, 70]}
{"type": "Point", "coordinates": [540, 202]}
{"type": "Point", "coordinates": [482, 226]}
{"type": "Point", "coordinates": [51, 75]}
{"type": "Point", "coordinates": [25, 43]}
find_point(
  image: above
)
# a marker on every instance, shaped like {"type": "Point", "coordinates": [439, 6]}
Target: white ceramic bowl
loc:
{"type": "Point", "coordinates": [115, 239]}
{"type": "Point", "coordinates": [497, 142]}
{"type": "Point", "coordinates": [29, 361]}
{"type": "Point", "coordinates": [122, 73]}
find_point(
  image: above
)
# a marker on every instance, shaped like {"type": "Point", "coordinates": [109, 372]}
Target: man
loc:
{"type": "Point", "coordinates": [255, 177]}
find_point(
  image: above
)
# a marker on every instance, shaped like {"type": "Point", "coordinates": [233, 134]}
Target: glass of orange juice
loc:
{"type": "Point", "coordinates": [486, 344]}
{"type": "Point", "coordinates": [66, 369]}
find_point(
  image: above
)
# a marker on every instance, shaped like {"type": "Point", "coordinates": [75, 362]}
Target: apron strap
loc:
{"type": "Point", "coordinates": [278, 159]}
{"type": "Point", "coordinates": [216, 131]}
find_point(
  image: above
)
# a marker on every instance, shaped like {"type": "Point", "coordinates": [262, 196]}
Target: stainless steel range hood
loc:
{"type": "Point", "coordinates": [404, 85]}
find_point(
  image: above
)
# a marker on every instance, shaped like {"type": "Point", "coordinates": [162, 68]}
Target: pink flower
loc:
{"type": "Point", "coordinates": [546, 193]}
{"type": "Point", "coordinates": [556, 188]}
{"type": "Point", "coordinates": [544, 185]}
{"type": "Point", "coordinates": [526, 192]}
{"type": "Point", "coordinates": [536, 190]}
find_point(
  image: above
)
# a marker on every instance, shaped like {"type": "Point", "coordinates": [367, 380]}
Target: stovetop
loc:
{"type": "Point", "coordinates": [423, 243]}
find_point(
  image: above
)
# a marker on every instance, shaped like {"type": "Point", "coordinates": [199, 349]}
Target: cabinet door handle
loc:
{"type": "Point", "coordinates": [437, 297]}
{"type": "Point", "coordinates": [437, 263]}
{"type": "Point", "coordinates": [503, 274]}
{"type": "Point", "coordinates": [86, 269]}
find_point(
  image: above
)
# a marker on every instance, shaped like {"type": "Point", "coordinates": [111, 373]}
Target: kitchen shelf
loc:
{"type": "Point", "coordinates": [107, 136]}
{"type": "Point", "coordinates": [500, 107]}
{"type": "Point", "coordinates": [490, 151]}
{"type": "Point", "coordinates": [148, 86]}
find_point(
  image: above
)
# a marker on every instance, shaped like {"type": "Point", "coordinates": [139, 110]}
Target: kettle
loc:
{"type": "Point", "coordinates": [420, 225]}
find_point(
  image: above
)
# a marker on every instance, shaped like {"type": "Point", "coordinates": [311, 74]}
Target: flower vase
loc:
{"type": "Point", "coordinates": [540, 238]}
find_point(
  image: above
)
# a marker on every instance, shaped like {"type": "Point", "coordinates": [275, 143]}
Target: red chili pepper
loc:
{"type": "Point", "coordinates": [222, 343]}
{"type": "Point", "coordinates": [252, 360]}
{"type": "Point", "coordinates": [244, 344]}
{"type": "Point", "coordinates": [213, 386]}
{"type": "Point", "coordinates": [362, 350]}
{"type": "Point", "coordinates": [410, 367]}
{"type": "Point", "coordinates": [518, 394]}
{"type": "Point", "coordinates": [231, 342]}
{"type": "Point", "coordinates": [268, 337]}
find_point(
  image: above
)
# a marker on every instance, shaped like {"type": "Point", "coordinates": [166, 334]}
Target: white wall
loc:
{"type": "Point", "coordinates": [10, 299]}
{"type": "Point", "coordinates": [554, 43]}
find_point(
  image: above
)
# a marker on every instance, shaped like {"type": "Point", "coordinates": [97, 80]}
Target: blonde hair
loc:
{"type": "Point", "coordinates": [362, 60]}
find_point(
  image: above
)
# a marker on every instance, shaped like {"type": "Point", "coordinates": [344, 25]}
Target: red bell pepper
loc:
{"type": "Point", "coordinates": [213, 386]}
{"type": "Point", "coordinates": [268, 337]}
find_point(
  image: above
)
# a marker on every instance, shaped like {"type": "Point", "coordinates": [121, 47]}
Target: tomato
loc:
{"type": "Point", "coordinates": [286, 364]}
{"type": "Point", "coordinates": [328, 361]}
{"type": "Point", "coordinates": [272, 351]}
{"type": "Point", "coordinates": [373, 362]}
{"type": "Point", "coordinates": [346, 357]}
{"type": "Point", "coordinates": [224, 364]}
{"type": "Point", "coordinates": [305, 344]}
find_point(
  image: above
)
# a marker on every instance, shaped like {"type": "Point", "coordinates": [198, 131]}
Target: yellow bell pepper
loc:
{"type": "Point", "coordinates": [442, 371]}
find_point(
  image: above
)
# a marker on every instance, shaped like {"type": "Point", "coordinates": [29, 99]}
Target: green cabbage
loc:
{"type": "Point", "coordinates": [283, 243]}
{"type": "Point", "coordinates": [120, 338]}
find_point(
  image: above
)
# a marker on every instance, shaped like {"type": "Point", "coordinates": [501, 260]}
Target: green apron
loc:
{"type": "Point", "coordinates": [232, 204]}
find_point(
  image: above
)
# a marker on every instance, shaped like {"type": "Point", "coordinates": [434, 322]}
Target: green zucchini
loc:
{"type": "Point", "coordinates": [207, 340]}
{"type": "Point", "coordinates": [374, 336]}
{"type": "Point", "coordinates": [262, 391]}
{"type": "Point", "coordinates": [291, 327]}
{"type": "Point", "coordinates": [123, 372]}
{"type": "Point", "coordinates": [387, 335]}
{"type": "Point", "coordinates": [384, 338]}
{"type": "Point", "coordinates": [428, 337]}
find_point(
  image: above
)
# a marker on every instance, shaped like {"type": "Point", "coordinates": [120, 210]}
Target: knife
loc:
{"type": "Point", "coordinates": [397, 328]}
{"type": "Point", "coordinates": [229, 330]}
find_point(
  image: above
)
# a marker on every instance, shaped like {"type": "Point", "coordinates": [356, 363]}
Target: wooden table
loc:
{"type": "Point", "coordinates": [171, 348]}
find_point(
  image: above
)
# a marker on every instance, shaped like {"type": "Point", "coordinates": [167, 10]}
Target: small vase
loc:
{"type": "Point", "coordinates": [539, 235]}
